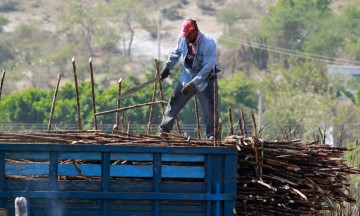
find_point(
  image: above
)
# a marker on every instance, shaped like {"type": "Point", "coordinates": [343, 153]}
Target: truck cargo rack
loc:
{"type": "Point", "coordinates": [107, 179]}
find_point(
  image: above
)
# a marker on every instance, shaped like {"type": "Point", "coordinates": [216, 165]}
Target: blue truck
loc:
{"type": "Point", "coordinates": [86, 179]}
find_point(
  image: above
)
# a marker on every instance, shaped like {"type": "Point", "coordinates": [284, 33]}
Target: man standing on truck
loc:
{"type": "Point", "coordinates": [198, 51]}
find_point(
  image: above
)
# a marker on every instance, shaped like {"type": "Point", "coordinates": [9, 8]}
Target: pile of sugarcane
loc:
{"type": "Point", "coordinates": [290, 177]}
{"type": "Point", "coordinates": [274, 177]}
{"type": "Point", "coordinates": [97, 137]}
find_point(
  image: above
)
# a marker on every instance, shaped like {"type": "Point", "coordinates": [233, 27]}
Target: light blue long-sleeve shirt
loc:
{"type": "Point", "coordinates": [203, 65]}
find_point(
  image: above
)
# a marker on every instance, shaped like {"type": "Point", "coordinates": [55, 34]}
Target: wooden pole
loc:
{"type": "Point", "coordinates": [197, 117]}
{"type": "Point", "coordinates": [53, 102]}
{"type": "Point", "coordinates": [178, 125]}
{"type": "Point", "coordinates": [216, 129]}
{"type": "Point", "coordinates": [151, 107]}
{"type": "Point", "coordinates": [160, 86]}
{"type": "Point", "coordinates": [118, 105]}
{"type": "Point", "coordinates": [93, 92]}
{"type": "Point", "coordinates": [231, 122]}
{"type": "Point", "coordinates": [2, 82]}
{"type": "Point", "coordinates": [254, 125]}
{"type": "Point", "coordinates": [130, 107]}
{"type": "Point", "coordinates": [77, 95]}
{"type": "Point", "coordinates": [243, 123]}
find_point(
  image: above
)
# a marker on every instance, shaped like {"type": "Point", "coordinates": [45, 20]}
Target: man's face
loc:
{"type": "Point", "coordinates": [191, 37]}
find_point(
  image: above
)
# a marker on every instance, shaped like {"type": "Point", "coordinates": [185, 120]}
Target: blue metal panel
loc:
{"type": "Point", "coordinates": [26, 169]}
{"type": "Point", "coordinates": [118, 195]}
{"type": "Point", "coordinates": [80, 156]}
{"type": "Point", "coordinates": [114, 149]}
{"type": "Point", "coordinates": [53, 175]}
{"type": "Point", "coordinates": [157, 173]}
{"type": "Point", "coordinates": [230, 177]}
{"type": "Point", "coordinates": [183, 158]}
{"type": "Point", "coordinates": [182, 172]}
{"type": "Point", "coordinates": [27, 155]}
{"type": "Point", "coordinates": [105, 174]}
{"type": "Point", "coordinates": [2, 176]}
{"type": "Point", "coordinates": [132, 156]}
{"type": "Point", "coordinates": [208, 181]}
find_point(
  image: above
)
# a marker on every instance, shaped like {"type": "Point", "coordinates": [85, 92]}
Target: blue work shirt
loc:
{"type": "Point", "coordinates": [204, 62]}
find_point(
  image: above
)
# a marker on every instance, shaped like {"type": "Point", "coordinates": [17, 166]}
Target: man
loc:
{"type": "Point", "coordinates": [198, 52]}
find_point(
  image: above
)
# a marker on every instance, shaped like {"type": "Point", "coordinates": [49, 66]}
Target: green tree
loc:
{"type": "Point", "coordinates": [305, 96]}
{"type": "Point", "coordinates": [25, 107]}
{"type": "Point", "coordinates": [351, 31]}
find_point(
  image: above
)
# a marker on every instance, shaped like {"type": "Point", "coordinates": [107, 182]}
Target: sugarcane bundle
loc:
{"type": "Point", "coordinates": [290, 177]}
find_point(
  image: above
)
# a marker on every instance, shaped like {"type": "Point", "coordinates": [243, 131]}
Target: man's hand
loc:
{"type": "Point", "coordinates": [188, 89]}
{"type": "Point", "coordinates": [164, 73]}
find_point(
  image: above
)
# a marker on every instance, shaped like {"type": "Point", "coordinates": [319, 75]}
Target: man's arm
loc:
{"type": "Point", "coordinates": [171, 61]}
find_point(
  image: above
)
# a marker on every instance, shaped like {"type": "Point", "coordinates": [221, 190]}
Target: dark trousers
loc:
{"type": "Point", "coordinates": [178, 101]}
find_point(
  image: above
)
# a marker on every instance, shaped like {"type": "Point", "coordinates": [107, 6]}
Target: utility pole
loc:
{"type": "Point", "coordinates": [159, 37]}
{"type": "Point", "coordinates": [259, 107]}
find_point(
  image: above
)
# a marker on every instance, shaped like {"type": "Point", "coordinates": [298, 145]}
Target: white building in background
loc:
{"type": "Point", "coordinates": [345, 70]}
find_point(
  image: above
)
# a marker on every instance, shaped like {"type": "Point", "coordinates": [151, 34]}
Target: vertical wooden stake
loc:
{"type": "Point", "coordinates": [77, 95]}
{"type": "Point", "coordinates": [118, 105]}
{"type": "Point", "coordinates": [151, 107]}
{"type": "Point", "coordinates": [241, 127]}
{"type": "Point", "coordinates": [254, 125]}
{"type": "Point", "coordinates": [93, 92]}
{"type": "Point", "coordinates": [178, 125]}
{"type": "Point", "coordinates": [243, 123]}
{"type": "Point", "coordinates": [197, 117]}
{"type": "Point", "coordinates": [231, 122]}
{"type": "Point", "coordinates": [2, 82]}
{"type": "Point", "coordinates": [53, 102]}
{"type": "Point", "coordinates": [216, 129]}
{"type": "Point", "coordinates": [160, 86]}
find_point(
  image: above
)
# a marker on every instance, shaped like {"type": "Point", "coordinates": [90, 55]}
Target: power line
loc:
{"type": "Point", "coordinates": [289, 52]}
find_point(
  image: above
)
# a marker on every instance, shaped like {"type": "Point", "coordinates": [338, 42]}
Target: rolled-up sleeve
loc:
{"type": "Point", "coordinates": [174, 55]}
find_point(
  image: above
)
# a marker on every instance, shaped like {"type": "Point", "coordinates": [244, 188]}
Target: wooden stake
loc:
{"type": "Point", "coordinates": [130, 107]}
{"type": "Point", "coordinates": [160, 86]}
{"type": "Point", "coordinates": [197, 117]}
{"type": "Point", "coordinates": [178, 125]}
{"type": "Point", "coordinates": [53, 102]}
{"type": "Point", "coordinates": [93, 93]}
{"type": "Point", "coordinates": [231, 122]}
{"type": "Point", "coordinates": [216, 129]}
{"type": "Point", "coordinates": [243, 123]}
{"type": "Point", "coordinates": [77, 95]}
{"type": "Point", "coordinates": [151, 107]}
{"type": "Point", "coordinates": [118, 105]}
{"type": "Point", "coordinates": [2, 82]}
{"type": "Point", "coordinates": [241, 127]}
{"type": "Point", "coordinates": [254, 125]}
